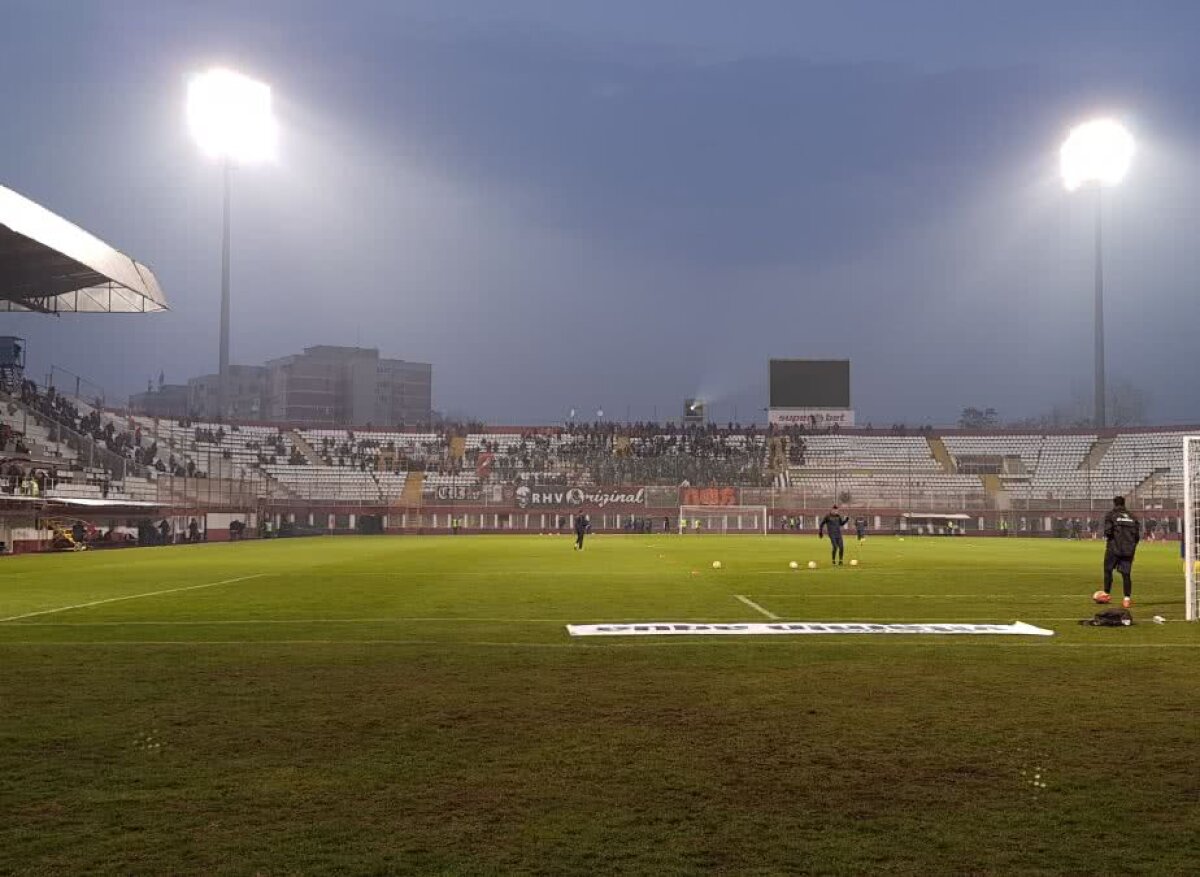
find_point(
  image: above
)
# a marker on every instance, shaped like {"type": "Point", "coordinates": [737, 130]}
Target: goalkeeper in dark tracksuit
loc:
{"type": "Point", "coordinates": [833, 522]}
{"type": "Point", "coordinates": [1122, 533]}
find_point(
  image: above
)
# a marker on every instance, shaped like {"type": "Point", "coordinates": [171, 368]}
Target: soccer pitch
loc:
{"type": "Point", "coordinates": [399, 705]}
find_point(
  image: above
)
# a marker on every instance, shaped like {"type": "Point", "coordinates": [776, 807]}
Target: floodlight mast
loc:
{"type": "Point", "coordinates": [1097, 154]}
{"type": "Point", "coordinates": [223, 360]}
{"type": "Point", "coordinates": [230, 118]}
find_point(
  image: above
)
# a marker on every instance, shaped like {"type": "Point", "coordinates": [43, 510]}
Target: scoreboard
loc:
{"type": "Point", "coordinates": [811, 392]}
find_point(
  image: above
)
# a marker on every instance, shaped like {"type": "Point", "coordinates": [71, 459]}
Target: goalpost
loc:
{"type": "Point", "coordinates": [698, 519]}
{"type": "Point", "coordinates": [1191, 524]}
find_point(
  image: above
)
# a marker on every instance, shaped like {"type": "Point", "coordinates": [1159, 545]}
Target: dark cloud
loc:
{"type": "Point", "coordinates": [573, 208]}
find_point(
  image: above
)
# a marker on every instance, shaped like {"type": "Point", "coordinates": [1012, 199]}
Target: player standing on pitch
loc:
{"type": "Point", "coordinates": [1122, 532]}
{"type": "Point", "coordinates": [860, 527]}
{"type": "Point", "coordinates": [834, 523]}
{"type": "Point", "coordinates": [581, 528]}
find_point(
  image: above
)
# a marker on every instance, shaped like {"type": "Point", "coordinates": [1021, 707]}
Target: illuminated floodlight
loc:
{"type": "Point", "coordinates": [1099, 151]}
{"type": "Point", "coordinates": [230, 116]}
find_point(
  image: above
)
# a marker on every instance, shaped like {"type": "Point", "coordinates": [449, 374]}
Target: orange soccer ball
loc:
{"type": "Point", "coordinates": [1101, 597]}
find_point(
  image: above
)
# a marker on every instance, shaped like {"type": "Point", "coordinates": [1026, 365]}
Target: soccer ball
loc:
{"type": "Point", "coordinates": [854, 562]}
{"type": "Point", "coordinates": [1101, 597]}
{"type": "Point", "coordinates": [716, 564]}
{"type": "Point", "coordinates": [794, 565]}
{"type": "Point", "coordinates": [812, 564]}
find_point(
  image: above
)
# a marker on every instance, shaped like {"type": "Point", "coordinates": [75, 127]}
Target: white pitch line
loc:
{"type": "Point", "coordinates": [394, 620]}
{"type": "Point", "coordinates": [904, 596]}
{"type": "Point", "coordinates": [131, 597]}
{"type": "Point", "coordinates": [756, 607]}
{"type": "Point", "coordinates": [875, 571]}
{"type": "Point", "coordinates": [707, 619]}
{"type": "Point", "coordinates": [672, 642]}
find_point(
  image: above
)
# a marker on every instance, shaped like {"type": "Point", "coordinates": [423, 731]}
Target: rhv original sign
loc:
{"type": "Point", "coordinates": [532, 497]}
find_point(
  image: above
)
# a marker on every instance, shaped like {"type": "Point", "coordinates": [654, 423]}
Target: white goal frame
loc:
{"type": "Point", "coordinates": [724, 519]}
{"type": "Point", "coordinates": [1191, 524]}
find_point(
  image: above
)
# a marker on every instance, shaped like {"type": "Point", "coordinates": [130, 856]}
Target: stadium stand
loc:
{"type": "Point", "coordinates": [70, 448]}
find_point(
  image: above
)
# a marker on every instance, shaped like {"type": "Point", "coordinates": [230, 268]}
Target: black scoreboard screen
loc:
{"type": "Point", "coordinates": [810, 383]}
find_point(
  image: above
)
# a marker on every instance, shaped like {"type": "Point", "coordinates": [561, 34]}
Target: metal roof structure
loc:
{"type": "Point", "coordinates": [81, 502]}
{"type": "Point", "coordinates": [52, 266]}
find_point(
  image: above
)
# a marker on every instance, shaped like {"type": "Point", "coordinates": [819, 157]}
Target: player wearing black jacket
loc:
{"type": "Point", "coordinates": [1122, 533]}
{"type": "Point", "coordinates": [833, 522]}
{"type": "Point", "coordinates": [581, 527]}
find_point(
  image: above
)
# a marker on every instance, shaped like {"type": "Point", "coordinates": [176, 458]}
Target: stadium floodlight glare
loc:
{"type": "Point", "coordinates": [230, 116]}
{"type": "Point", "coordinates": [1097, 154]}
{"type": "Point", "coordinates": [1099, 151]}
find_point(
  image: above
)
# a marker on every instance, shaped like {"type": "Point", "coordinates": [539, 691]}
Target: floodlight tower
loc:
{"type": "Point", "coordinates": [1097, 154]}
{"type": "Point", "coordinates": [230, 118]}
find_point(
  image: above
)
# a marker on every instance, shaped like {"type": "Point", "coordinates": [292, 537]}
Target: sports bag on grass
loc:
{"type": "Point", "coordinates": [1109, 618]}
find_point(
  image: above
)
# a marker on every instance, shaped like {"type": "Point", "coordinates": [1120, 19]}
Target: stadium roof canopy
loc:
{"type": "Point", "coordinates": [52, 266]}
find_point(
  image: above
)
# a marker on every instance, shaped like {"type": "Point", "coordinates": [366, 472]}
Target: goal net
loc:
{"type": "Point", "coordinates": [723, 519]}
{"type": "Point", "coordinates": [1191, 524]}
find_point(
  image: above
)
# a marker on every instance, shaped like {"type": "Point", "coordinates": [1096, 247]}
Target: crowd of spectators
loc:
{"type": "Point", "coordinates": [12, 441]}
{"type": "Point", "coordinates": [640, 453]}
{"type": "Point", "coordinates": [651, 453]}
{"type": "Point", "coordinates": [369, 454]}
{"type": "Point", "coordinates": [17, 479]}
{"type": "Point", "coordinates": [128, 444]}
{"type": "Point", "coordinates": [599, 453]}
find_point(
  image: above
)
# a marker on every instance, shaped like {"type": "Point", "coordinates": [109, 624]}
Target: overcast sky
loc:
{"type": "Point", "coordinates": [620, 204]}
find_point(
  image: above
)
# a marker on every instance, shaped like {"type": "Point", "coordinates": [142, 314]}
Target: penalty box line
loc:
{"type": "Point", "coordinates": [91, 603]}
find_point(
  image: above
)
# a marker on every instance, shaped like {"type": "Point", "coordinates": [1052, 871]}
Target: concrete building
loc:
{"type": "Point", "coordinates": [344, 386]}
{"type": "Point", "coordinates": [247, 394]}
{"type": "Point", "coordinates": [350, 386]}
{"type": "Point", "coordinates": [169, 400]}
{"type": "Point", "coordinates": [404, 392]}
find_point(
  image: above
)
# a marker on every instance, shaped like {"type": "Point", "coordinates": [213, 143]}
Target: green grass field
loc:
{"type": "Point", "coordinates": [371, 705]}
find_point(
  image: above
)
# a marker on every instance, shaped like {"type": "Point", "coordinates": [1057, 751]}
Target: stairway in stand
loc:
{"type": "Point", "coordinates": [301, 444]}
{"type": "Point", "coordinates": [1096, 453]}
{"type": "Point", "coordinates": [414, 483]}
{"type": "Point", "coordinates": [937, 448]}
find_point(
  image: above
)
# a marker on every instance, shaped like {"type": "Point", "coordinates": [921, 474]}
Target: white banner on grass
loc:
{"type": "Point", "coordinates": [774, 628]}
